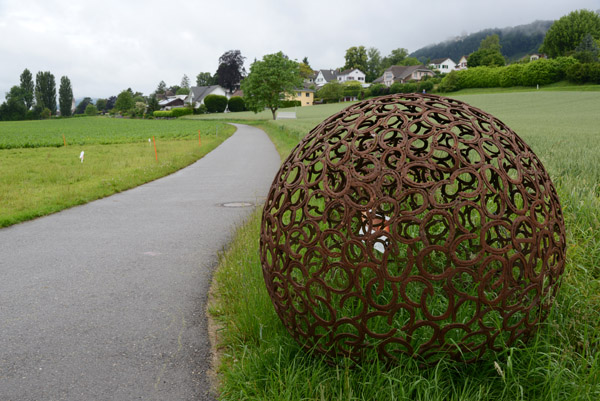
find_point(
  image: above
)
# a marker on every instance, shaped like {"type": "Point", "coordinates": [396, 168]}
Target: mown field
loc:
{"type": "Point", "coordinates": [260, 361]}
{"type": "Point", "coordinates": [39, 175]}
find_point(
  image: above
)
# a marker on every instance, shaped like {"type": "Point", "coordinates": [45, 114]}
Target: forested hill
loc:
{"type": "Point", "coordinates": [516, 42]}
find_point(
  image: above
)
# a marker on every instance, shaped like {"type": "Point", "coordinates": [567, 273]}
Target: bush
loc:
{"type": "Point", "coordinates": [45, 114]}
{"type": "Point", "coordinates": [512, 75]}
{"type": "Point", "coordinates": [290, 103]}
{"type": "Point", "coordinates": [545, 71]}
{"type": "Point", "coordinates": [91, 110]}
{"type": "Point", "coordinates": [163, 114]}
{"type": "Point", "coordinates": [450, 82]}
{"type": "Point", "coordinates": [376, 89]}
{"type": "Point", "coordinates": [397, 87]}
{"type": "Point", "coordinates": [215, 103]}
{"type": "Point", "coordinates": [181, 111]}
{"type": "Point", "coordinates": [426, 85]}
{"type": "Point", "coordinates": [584, 73]}
{"type": "Point", "coordinates": [201, 110]}
{"type": "Point", "coordinates": [236, 103]}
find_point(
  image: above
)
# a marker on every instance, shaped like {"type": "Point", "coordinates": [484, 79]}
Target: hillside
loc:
{"type": "Point", "coordinates": [516, 42]}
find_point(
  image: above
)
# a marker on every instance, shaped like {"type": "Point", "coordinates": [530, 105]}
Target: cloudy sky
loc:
{"type": "Point", "coordinates": [107, 46]}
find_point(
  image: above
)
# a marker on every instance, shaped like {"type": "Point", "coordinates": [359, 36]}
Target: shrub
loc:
{"type": "Point", "coordinates": [290, 103]}
{"type": "Point", "coordinates": [91, 110]}
{"type": "Point", "coordinates": [450, 82]}
{"type": "Point", "coordinates": [584, 73]}
{"type": "Point", "coordinates": [163, 114]}
{"type": "Point", "coordinates": [215, 103]}
{"type": "Point", "coordinates": [45, 114]}
{"type": "Point", "coordinates": [181, 111]}
{"type": "Point", "coordinates": [545, 71]}
{"type": "Point", "coordinates": [236, 103]}
{"type": "Point", "coordinates": [397, 87]}
{"type": "Point", "coordinates": [201, 110]}
{"type": "Point", "coordinates": [426, 85]}
{"type": "Point", "coordinates": [512, 75]}
{"type": "Point", "coordinates": [376, 89]}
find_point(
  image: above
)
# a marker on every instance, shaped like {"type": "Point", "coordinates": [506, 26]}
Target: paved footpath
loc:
{"type": "Point", "coordinates": [106, 301]}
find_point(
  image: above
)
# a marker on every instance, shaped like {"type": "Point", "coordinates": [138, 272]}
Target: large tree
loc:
{"type": "Point", "coordinates": [231, 70]}
{"type": "Point", "coordinates": [65, 96]}
{"type": "Point", "coordinates": [567, 33]}
{"type": "Point", "coordinates": [205, 79]}
{"type": "Point", "coordinates": [587, 51]}
{"type": "Point", "coordinates": [45, 91]}
{"type": "Point", "coordinates": [396, 57]}
{"type": "Point", "coordinates": [124, 101]}
{"type": "Point", "coordinates": [356, 57]}
{"type": "Point", "coordinates": [488, 53]}
{"type": "Point", "coordinates": [185, 82]}
{"type": "Point", "coordinates": [101, 105]}
{"type": "Point", "coordinates": [80, 109]}
{"type": "Point", "coordinates": [374, 66]}
{"type": "Point", "coordinates": [27, 88]}
{"type": "Point", "coordinates": [270, 81]}
{"type": "Point", "coordinates": [14, 106]}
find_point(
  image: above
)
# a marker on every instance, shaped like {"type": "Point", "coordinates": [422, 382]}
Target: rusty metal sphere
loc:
{"type": "Point", "coordinates": [412, 224]}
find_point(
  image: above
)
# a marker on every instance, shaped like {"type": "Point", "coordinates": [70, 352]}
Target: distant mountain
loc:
{"type": "Point", "coordinates": [516, 42]}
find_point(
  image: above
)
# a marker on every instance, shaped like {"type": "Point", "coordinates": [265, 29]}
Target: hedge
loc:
{"type": "Point", "coordinates": [215, 103]}
{"type": "Point", "coordinates": [176, 112]}
{"type": "Point", "coordinates": [584, 73]}
{"type": "Point", "coordinates": [236, 103]}
{"type": "Point", "coordinates": [539, 72]}
{"type": "Point", "coordinates": [290, 103]}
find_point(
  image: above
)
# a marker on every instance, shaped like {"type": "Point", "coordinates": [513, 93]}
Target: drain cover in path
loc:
{"type": "Point", "coordinates": [237, 204]}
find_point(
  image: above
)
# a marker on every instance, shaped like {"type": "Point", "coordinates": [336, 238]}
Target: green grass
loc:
{"type": "Point", "coordinates": [96, 130]}
{"type": "Point", "coordinates": [561, 362]}
{"type": "Point", "coordinates": [36, 181]}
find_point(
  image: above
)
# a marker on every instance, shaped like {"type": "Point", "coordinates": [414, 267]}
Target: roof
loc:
{"type": "Point", "coordinates": [329, 75]}
{"type": "Point", "coordinates": [349, 70]}
{"type": "Point", "coordinates": [200, 92]}
{"type": "Point", "coordinates": [171, 100]}
{"type": "Point", "coordinates": [440, 60]}
{"type": "Point", "coordinates": [403, 71]}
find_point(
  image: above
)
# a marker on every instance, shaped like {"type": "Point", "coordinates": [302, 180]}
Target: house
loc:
{"type": "Point", "coordinates": [405, 73]}
{"type": "Point", "coordinates": [324, 76]}
{"type": "Point", "coordinates": [171, 102]}
{"type": "Point", "coordinates": [305, 96]}
{"type": "Point", "coordinates": [462, 64]}
{"type": "Point", "coordinates": [198, 93]}
{"type": "Point", "coordinates": [536, 56]}
{"type": "Point", "coordinates": [443, 65]}
{"type": "Point", "coordinates": [352, 74]}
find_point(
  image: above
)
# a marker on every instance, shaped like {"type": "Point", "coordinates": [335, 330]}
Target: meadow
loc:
{"type": "Point", "coordinates": [39, 175]}
{"type": "Point", "coordinates": [259, 360]}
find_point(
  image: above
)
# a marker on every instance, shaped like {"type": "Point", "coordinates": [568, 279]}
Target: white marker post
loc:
{"type": "Point", "coordinates": [81, 156]}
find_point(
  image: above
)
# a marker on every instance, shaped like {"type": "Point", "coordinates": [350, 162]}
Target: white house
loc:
{"type": "Point", "coordinates": [462, 64]}
{"type": "Point", "coordinates": [443, 65]}
{"type": "Point", "coordinates": [325, 76]}
{"type": "Point", "coordinates": [353, 74]}
{"type": "Point", "coordinates": [198, 93]}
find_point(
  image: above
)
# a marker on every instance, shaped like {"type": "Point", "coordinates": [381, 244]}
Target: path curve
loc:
{"type": "Point", "coordinates": [106, 301]}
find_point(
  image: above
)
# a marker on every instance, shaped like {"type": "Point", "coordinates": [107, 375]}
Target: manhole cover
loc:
{"type": "Point", "coordinates": [238, 204]}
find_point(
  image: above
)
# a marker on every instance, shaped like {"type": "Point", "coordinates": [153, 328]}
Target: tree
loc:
{"type": "Point", "coordinates": [374, 66]}
{"type": "Point", "coordinates": [331, 92]}
{"type": "Point", "coordinates": [14, 106]}
{"type": "Point", "coordinates": [65, 96]}
{"type": "Point", "coordinates": [488, 53]}
{"type": "Point", "coordinates": [185, 82]}
{"type": "Point", "coordinates": [305, 61]}
{"type": "Point", "coordinates": [152, 104]}
{"type": "Point", "coordinates": [565, 34]}
{"type": "Point", "coordinates": [205, 79]}
{"type": "Point", "coordinates": [231, 69]}
{"type": "Point", "coordinates": [101, 105]}
{"type": "Point", "coordinates": [270, 81]}
{"type": "Point", "coordinates": [110, 103]}
{"type": "Point", "coordinates": [45, 91]}
{"type": "Point", "coordinates": [356, 57]}
{"type": "Point", "coordinates": [27, 88]}
{"type": "Point", "coordinates": [124, 102]}
{"type": "Point", "coordinates": [91, 110]}
{"type": "Point", "coordinates": [182, 91]}
{"type": "Point", "coordinates": [305, 71]}
{"type": "Point", "coordinates": [396, 57]}
{"type": "Point", "coordinates": [81, 106]}
{"type": "Point", "coordinates": [161, 88]}
{"type": "Point", "coordinates": [587, 51]}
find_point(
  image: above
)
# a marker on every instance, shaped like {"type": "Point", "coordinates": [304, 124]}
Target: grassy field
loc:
{"type": "Point", "coordinates": [260, 361]}
{"type": "Point", "coordinates": [39, 175]}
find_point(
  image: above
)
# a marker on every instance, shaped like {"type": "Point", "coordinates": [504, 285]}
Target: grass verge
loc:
{"type": "Point", "coordinates": [39, 181]}
{"type": "Point", "coordinates": [260, 361]}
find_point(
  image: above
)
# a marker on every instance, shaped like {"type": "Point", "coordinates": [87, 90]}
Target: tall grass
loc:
{"type": "Point", "coordinates": [561, 362]}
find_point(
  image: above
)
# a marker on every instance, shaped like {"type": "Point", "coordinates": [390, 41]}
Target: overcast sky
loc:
{"type": "Point", "coordinates": [107, 46]}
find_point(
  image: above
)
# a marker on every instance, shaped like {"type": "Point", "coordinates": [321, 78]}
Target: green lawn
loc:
{"type": "Point", "coordinates": [260, 361]}
{"type": "Point", "coordinates": [39, 175]}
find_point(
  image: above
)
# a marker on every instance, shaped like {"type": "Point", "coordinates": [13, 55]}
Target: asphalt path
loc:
{"type": "Point", "coordinates": [106, 301]}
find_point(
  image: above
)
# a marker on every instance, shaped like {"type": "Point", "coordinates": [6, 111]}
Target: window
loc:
{"type": "Point", "coordinates": [299, 94]}
{"type": "Point", "coordinates": [307, 94]}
